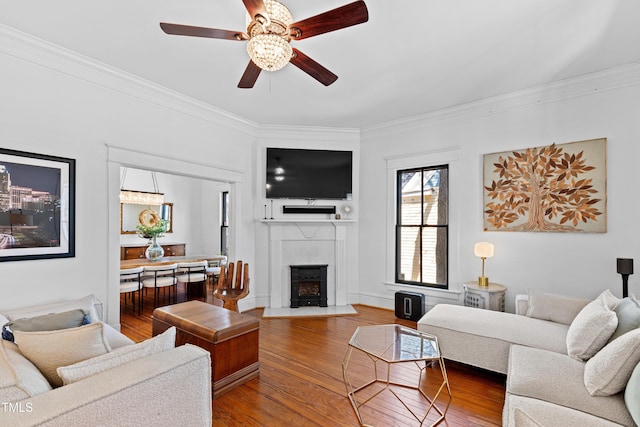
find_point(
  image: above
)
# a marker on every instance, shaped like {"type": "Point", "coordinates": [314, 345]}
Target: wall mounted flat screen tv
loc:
{"type": "Point", "coordinates": [308, 174]}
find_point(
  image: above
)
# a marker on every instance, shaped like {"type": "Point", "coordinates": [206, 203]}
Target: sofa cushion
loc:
{"type": "Point", "coordinates": [19, 378]}
{"type": "Point", "coordinates": [87, 303]}
{"type": "Point", "coordinates": [46, 322]}
{"type": "Point", "coordinates": [126, 354]}
{"type": "Point", "coordinates": [489, 333]}
{"type": "Point", "coordinates": [557, 378]}
{"type": "Point", "coordinates": [591, 329]}
{"type": "Point", "coordinates": [608, 372]}
{"type": "Point", "coordinates": [115, 338]}
{"type": "Point", "coordinates": [522, 419]}
{"type": "Point", "coordinates": [555, 308]}
{"type": "Point", "coordinates": [628, 313]}
{"type": "Point", "coordinates": [632, 394]}
{"type": "Point", "coordinates": [49, 350]}
{"type": "Point", "coordinates": [549, 414]}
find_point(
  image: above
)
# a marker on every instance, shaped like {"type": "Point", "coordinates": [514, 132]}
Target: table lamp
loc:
{"type": "Point", "coordinates": [625, 268]}
{"type": "Point", "coordinates": [483, 250]}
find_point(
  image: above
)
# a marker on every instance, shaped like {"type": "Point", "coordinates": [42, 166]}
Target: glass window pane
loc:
{"type": "Point", "coordinates": [436, 206]}
{"type": "Point", "coordinates": [422, 226]}
{"type": "Point", "coordinates": [410, 193]}
{"type": "Point", "coordinates": [409, 254]}
{"type": "Point", "coordinates": [434, 255]}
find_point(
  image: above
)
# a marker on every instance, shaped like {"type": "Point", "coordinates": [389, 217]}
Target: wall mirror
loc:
{"type": "Point", "coordinates": [129, 214]}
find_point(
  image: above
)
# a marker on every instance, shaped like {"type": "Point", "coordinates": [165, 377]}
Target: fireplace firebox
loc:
{"type": "Point", "coordinates": [308, 285]}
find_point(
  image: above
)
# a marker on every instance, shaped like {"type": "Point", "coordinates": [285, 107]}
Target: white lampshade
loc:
{"type": "Point", "coordinates": [483, 249]}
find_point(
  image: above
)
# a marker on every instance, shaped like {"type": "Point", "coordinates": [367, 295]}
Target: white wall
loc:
{"type": "Point", "coordinates": [308, 138]}
{"type": "Point", "coordinates": [57, 103]}
{"type": "Point", "coordinates": [196, 209]}
{"type": "Point", "coordinates": [582, 265]}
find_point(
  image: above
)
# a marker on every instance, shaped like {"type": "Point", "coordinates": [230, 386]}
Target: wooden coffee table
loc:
{"type": "Point", "coordinates": [230, 337]}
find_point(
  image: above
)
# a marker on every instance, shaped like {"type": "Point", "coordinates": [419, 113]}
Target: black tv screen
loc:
{"type": "Point", "coordinates": [308, 174]}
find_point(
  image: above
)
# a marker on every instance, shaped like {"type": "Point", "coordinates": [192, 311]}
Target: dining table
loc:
{"type": "Point", "coordinates": [195, 291]}
{"type": "Point", "coordinates": [142, 262]}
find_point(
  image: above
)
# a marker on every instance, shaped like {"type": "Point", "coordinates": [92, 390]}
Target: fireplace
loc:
{"type": "Point", "coordinates": [308, 285]}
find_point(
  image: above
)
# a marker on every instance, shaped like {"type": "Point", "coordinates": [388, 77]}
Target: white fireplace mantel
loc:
{"type": "Point", "coordinates": [307, 241]}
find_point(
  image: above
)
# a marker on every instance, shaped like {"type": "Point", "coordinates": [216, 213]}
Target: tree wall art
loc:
{"type": "Point", "coordinates": [554, 188]}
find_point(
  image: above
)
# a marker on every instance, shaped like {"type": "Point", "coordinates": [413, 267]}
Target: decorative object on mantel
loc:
{"type": "Point", "coordinates": [151, 227]}
{"type": "Point", "coordinates": [483, 250]}
{"type": "Point", "coordinates": [625, 268]}
{"type": "Point", "coordinates": [347, 210]}
{"type": "Point", "coordinates": [557, 188]}
{"type": "Point", "coordinates": [141, 197]}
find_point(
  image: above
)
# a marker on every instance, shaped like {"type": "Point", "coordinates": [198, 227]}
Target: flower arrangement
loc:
{"type": "Point", "coordinates": [156, 230]}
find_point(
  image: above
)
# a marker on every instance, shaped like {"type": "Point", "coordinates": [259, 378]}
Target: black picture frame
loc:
{"type": "Point", "coordinates": [37, 206]}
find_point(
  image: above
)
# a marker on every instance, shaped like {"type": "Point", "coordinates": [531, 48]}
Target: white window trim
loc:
{"type": "Point", "coordinates": [450, 157]}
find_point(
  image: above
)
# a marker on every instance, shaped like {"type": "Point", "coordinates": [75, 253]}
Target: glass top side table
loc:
{"type": "Point", "coordinates": [390, 345]}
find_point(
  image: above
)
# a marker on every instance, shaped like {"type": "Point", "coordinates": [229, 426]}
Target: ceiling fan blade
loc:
{"type": "Point", "coordinates": [312, 68]}
{"type": "Point", "coordinates": [212, 33]}
{"type": "Point", "coordinates": [255, 7]}
{"type": "Point", "coordinates": [351, 14]}
{"type": "Point", "coordinates": [250, 76]}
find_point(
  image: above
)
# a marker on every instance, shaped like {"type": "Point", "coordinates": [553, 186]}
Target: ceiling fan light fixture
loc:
{"type": "Point", "coordinates": [270, 52]}
{"type": "Point", "coordinates": [277, 20]}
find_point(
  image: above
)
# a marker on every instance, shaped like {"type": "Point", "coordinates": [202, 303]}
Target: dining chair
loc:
{"type": "Point", "coordinates": [230, 289]}
{"type": "Point", "coordinates": [161, 276]}
{"type": "Point", "coordinates": [193, 272]}
{"type": "Point", "coordinates": [131, 283]}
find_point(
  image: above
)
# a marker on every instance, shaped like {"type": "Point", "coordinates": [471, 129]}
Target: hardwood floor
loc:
{"type": "Point", "coordinates": [301, 383]}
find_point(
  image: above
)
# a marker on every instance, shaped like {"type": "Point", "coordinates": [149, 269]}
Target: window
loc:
{"type": "Point", "coordinates": [224, 227]}
{"type": "Point", "coordinates": [422, 226]}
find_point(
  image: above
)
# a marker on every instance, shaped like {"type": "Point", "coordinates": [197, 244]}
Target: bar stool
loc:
{"type": "Point", "coordinates": [192, 272]}
{"type": "Point", "coordinates": [162, 276]}
{"type": "Point", "coordinates": [130, 283]}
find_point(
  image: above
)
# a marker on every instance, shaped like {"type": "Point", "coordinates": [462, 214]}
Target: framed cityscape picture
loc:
{"type": "Point", "coordinates": [37, 206]}
{"type": "Point", "coordinates": [554, 188]}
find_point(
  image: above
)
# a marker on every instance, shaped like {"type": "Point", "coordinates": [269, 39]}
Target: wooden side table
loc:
{"type": "Point", "coordinates": [490, 297]}
{"type": "Point", "coordinates": [230, 337]}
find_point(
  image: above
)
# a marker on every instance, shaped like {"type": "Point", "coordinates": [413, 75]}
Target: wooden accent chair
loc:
{"type": "Point", "coordinates": [229, 290]}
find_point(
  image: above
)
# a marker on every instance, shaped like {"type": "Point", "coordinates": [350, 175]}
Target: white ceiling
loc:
{"type": "Point", "coordinates": [412, 57]}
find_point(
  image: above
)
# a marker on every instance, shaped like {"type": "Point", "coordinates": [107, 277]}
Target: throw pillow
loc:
{"type": "Point", "coordinates": [608, 372]}
{"type": "Point", "coordinates": [87, 303]}
{"type": "Point", "coordinates": [121, 356]}
{"type": "Point", "coordinates": [49, 350]}
{"type": "Point", "coordinates": [591, 329]}
{"type": "Point", "coordinates": [19, 378]}
{"type": "Point", "coordinates": [632, 395]}
{"type": "Point", "coordinates": [628, 312]}
{"type": "Point", "coordinates": [555, 308]}
{"type": "Point", "coordinates": [47, 322]}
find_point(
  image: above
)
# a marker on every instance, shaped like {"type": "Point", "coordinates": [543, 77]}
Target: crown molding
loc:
{"type": "Point", "coordinates": [308, 133]}
{"type": "Point", "coordinates": [610, 79]}
{"type": "Point", "coordinates": [37, 51]}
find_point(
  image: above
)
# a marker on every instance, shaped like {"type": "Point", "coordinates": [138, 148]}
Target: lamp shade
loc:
{"type": "Point", "coordinates": [624, 265]}
{"type": "Point", "coordinates": [483, 249]}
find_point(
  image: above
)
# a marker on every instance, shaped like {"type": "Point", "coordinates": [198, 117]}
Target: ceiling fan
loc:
{"type": "Point", "coordinates": [269, 32]}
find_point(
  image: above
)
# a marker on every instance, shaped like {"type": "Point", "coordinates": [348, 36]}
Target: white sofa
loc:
{"type": "Point", "coordinates": [152, 383]}
{"type": "Point", "coordinates": [544, 385]}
